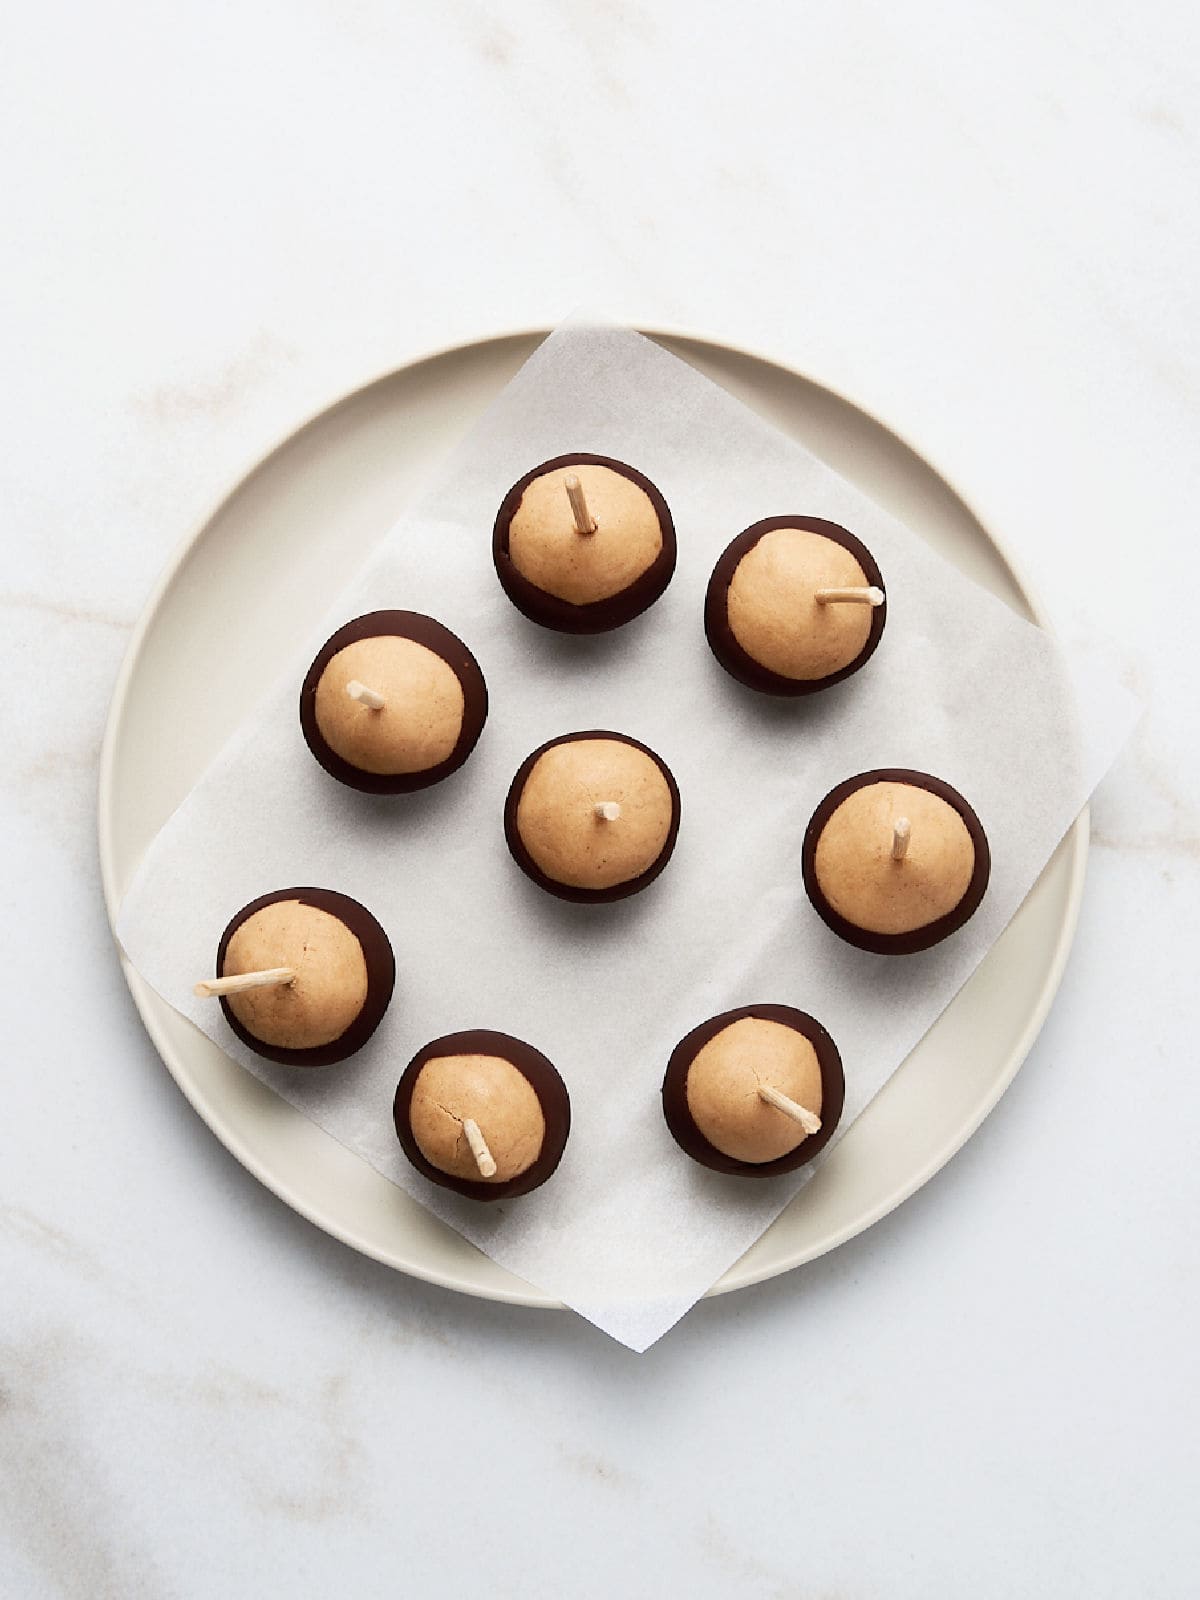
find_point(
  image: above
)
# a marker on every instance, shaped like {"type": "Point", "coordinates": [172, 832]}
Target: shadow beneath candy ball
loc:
{"type": "Point", "coordinates": [778, 715]}
{"type": "Point", "coordinates": [892, 977]}
{"type": "Point", "coordinates": [599, 922]}
{"type": "Point", "coordinates": [562, 658]}
{"type": "Point", "coordinates": [322, 1087]}
{"type": "Point", "coordinates": [396, 811]}
{"type": "Point", "coordinates": [380, 819]}
{"type": "Point", "coordinates": [567, 653]}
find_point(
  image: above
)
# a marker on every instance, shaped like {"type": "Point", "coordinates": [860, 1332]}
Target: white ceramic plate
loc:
{"type": "Point", "coordinates": [261, 569]}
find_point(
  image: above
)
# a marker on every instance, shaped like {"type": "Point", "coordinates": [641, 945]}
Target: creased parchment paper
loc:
{"type": "Point", "coordinates": [629, 1232]}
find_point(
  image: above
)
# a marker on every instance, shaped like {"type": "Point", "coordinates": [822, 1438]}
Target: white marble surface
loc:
{"type": "Point", "coordinates": [983, 222]}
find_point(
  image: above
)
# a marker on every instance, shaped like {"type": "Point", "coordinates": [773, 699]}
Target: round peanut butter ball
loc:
{"type": "Point", "coordinates": [394, 702]}
{"type": "Point", "coordinates": [895, 860]}
{"type": "Point", "coordinates": [343, 967]}
{"type": "Point", "coordinates": [575, 581]}
{"type": "Point", "coordinates": [482, 1113]}
{"type": "Point", "coordinates": [764, 616]}
{"type": "Point", "coordinates": [592, 816]}
{"type": "Point", "coordinates": [716, 1093]}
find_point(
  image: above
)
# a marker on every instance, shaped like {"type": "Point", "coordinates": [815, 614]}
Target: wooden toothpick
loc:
{"type": "Point", "coordinates": [851, 596]}
{"type": "Point", "coordinates": [807, 1119]}
{"type": "Point", "coordinates": [364, 696]}
{"type": "Point", "coordinates": [484, 1159]}
{"type": "Point", "coordinates": [579, 509]}
{"type": "Point", "coordinates": [901, 831]}
{"type": "Point", "coordinates": [211, 987]}
{"type": "Point", "coordinates": [606, 811]}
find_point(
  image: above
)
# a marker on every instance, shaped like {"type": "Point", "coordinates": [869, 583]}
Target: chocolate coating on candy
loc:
{"type": "Point", "coordinates": [906, 941]}
{"type": "Point", "coordinates": [584, 830]}
{"type": "Point", "coordinates": [534, 1068]}
{"type": "Point", "coordinates": [730, 651]}
{"type": "Point", "coordinates": [377, 957]}
{"type": "Point", "coordinates": [557, 611]}
{"type": "Point", "coordinates": [433, 637]}
{"type": "Point", "coordinates": [678, 1111]}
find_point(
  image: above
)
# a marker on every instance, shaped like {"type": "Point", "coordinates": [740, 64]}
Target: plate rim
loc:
{"type": "Point", "coordinates": [736, 1276]}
